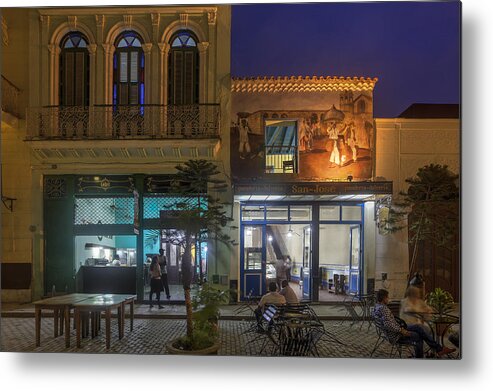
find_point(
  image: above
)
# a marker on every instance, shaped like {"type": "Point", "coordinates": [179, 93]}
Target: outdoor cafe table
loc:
{"type": "Point", "coordinates": [60, 305]}
{"type": "Point", "coordinates": [104, 303]}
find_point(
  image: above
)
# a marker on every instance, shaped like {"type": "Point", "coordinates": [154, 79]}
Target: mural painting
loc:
{"type": "Point", "coordinates": [312, 136]}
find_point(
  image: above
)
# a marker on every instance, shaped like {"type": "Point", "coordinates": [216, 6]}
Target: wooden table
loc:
{"type": "Point", "coordinates": [60, 305]}
{"type": "Point", "coordinates": [104, 303]}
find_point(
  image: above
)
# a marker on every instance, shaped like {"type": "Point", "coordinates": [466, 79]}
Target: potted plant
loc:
{"type": "Point", "coordinates": [205, 303]}
{"type": "Point", "coordinates": [440, 300]}
{"type": "Point", "coordinates": [197, 217]}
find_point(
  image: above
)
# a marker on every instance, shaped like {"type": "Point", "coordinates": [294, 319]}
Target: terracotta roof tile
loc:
{"type": "Point", "coordinates": [301, 84]}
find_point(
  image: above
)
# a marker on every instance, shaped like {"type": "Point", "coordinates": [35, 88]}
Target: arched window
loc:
{"type": "Point", "coordinates": [74, 70]}
{"type": "Point", "coordinates": [183, 83]}
{"type": "Point", "coordinates": [128, 70]}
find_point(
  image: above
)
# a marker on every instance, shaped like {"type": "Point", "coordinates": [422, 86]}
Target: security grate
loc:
{"type": "Point", "coordinates": [107, 210]}
{"type": "Point", "coordinates": [153, 205]}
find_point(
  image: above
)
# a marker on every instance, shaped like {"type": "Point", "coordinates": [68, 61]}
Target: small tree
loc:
{"type": "Point", "coordinates": [429, 209]}
{"type": "Point", "coordinates": [197, 217]}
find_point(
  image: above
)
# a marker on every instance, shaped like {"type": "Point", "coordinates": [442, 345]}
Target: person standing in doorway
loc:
{"type": "Point", "coordinates": [280, 272]}
{"type": "Point", "coordinates": [164, 271]}
{"type": "Point", "coordinates": [156, 285]}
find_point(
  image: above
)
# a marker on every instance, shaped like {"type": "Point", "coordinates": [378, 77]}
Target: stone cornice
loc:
{"type": "Point", "coordinates": [188, 9]}
{"type": "Point", "coordinates": [302, 84]}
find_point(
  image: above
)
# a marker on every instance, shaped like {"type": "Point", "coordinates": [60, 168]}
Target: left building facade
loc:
{"type": "Point", "coordinates": [106, 103]}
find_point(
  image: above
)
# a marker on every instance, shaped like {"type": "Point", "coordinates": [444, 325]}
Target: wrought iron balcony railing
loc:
{"type": "Point", "coordinates": [108, 122]}
{"type": "Point", "coordinates": [10, 97]}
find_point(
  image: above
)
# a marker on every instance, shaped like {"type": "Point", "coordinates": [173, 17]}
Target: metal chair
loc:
{"type": "Point", "coordinates": [396, 346]}
{"type": "Point", "coordinates": [265, 330]}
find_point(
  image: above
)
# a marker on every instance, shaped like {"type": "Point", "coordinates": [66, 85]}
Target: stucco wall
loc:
{"type": "Point", "coordinates": [403, 146]}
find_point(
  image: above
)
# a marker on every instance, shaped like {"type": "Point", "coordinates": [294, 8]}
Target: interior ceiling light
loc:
{"type": "Point", "coordinates": [270, 238]}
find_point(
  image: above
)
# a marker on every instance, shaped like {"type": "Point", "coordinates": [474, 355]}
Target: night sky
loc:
{"type": "Point", "coordinates": [412, 48]}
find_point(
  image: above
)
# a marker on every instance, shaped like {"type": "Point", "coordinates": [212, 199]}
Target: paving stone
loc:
{"type": "Point", "coordinates": [151, 335]}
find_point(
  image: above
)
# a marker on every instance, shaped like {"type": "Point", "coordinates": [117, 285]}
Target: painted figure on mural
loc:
{"type": "Point", "coordinates": [304, 136]}
{"type": "Point", "coordinates": [350, 139]}
{"type": "Point", "coordinates": [335, 156]}
{"type": "Point", "coordinates": [244, 129]}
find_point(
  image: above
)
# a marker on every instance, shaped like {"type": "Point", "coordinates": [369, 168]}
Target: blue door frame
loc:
{"type": "Point", "coordinates": [255, 279]}
{"type": "Point", "coordinates": [355, 273]}
{"type": "Point", "coordinates": [252, 280]}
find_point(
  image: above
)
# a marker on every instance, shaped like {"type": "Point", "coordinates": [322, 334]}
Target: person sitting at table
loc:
{"type": "Point", "coordinates": [156, 285]}
{"type": "Point", "coordinates": [288, 293]}
{"type": "Point", "coordinates": [413, 308]}
{"type": "Point", "coordinates": [272, 297]}
{"type": "Point", "coordinates": [414, 333]}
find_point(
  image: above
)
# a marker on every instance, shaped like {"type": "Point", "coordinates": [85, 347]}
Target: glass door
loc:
{"type": "Point", "coordinates": [354, 259]}
{"type": "Point", "coordinates": [307, 262]}
{"type": "Point", "coordinates": [253, 261]}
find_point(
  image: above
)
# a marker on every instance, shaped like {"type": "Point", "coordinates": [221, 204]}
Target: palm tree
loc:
{"type": "Point", "coordinates": [429, 209]}
{"type": "Point", "coordinates": [197, 217]}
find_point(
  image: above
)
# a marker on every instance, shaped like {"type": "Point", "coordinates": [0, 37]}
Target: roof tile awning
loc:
{"type": "Point", "coordinates": [302, 84]}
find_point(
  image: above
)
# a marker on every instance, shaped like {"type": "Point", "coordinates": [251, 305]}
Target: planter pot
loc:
{"type": "Point", "coordinates": [211, 350]}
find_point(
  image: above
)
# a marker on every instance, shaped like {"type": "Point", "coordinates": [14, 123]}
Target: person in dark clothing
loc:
{"type": "Point", "coordinates": [156, 284]}
{"type": "Point", "coordinates": [164, 271]}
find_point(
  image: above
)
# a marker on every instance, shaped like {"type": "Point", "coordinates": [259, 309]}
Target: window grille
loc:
{"type": "Point", "coordinates": [107, 210]}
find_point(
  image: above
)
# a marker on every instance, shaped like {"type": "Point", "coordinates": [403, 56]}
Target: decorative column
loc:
{"type": "Point", "coordinates": [54, 73]}
{"type": "Point", "coordinates": [155, 26]}
{"type": "Point", "coordinates": [212, 68]}
{"type": "Point", "coordinates": [147, 47]}
{"type": "Point", "coordinates": [107, 125]}
{"type": "Point", "coordinates": [202, 46]}
{"type": "Point", "coordinates": [164, 49]}
{"type": "Point", "coordinates": [47, 62]}
{"type": "Point", "coordinates": [109, 50]}
{"type": "Point", "coordinates": [100, 63]}
{"type": "Point", "coordinates": [91, 48]}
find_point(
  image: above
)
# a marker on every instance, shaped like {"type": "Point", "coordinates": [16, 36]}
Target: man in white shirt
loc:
{"type": "Point", "coordinates": [272, 297]}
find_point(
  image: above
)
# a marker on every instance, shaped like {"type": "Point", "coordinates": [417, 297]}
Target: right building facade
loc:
{"type": "Point", "coordinates": [311, 170]}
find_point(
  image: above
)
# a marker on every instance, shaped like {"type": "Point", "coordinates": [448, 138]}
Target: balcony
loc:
{"type": "Point", "coordinates": [108, 122]}
{"type": "Point", "coordinates": [150, 133]}
{"type": "Point", "coordinates": [10, 98]}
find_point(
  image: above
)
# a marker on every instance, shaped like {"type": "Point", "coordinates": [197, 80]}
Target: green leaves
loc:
{"type": "Point", "coordinates": [440, 300]}
{"type": "Point", "coordinates": [429, 209]}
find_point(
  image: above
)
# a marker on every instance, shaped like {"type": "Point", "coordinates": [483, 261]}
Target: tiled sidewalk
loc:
{"type": "Point", "coordinates": [151, 335]}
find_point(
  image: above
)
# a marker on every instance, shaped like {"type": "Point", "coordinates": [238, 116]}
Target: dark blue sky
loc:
{"type": "Point", "coordinates": [413, 48]}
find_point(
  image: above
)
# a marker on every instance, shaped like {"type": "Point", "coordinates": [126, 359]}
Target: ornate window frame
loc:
{"type": "Point", "coordinates": [165, 49]}
{"type": "Point", "coordinates": [54, 59]}
{"type": "Point", "coordinates": [109, 51]}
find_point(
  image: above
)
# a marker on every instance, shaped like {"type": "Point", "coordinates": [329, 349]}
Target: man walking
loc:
{"type": "Point", "coordinates": [164, 271]}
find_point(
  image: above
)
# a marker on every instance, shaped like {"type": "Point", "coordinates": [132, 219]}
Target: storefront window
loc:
{"type": "Point", "coordinates": [351, 213]}
{"type": "Point", "coordinates": [300, 213]}
{"type": "Point", "coordinates": [277, 213]}
{"type": "Point", "coordinates": [330, 213]}
{"type": "Point", "coordinates": [252, 238]}
{"type": "Point", "coordinates": [252, 213]}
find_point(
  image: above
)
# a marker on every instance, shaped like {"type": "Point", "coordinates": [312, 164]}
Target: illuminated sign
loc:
{"type": "Point", "coordinates": [313, 188]}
